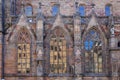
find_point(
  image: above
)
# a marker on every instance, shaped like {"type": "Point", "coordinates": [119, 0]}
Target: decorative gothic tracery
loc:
{"type": "Point", "coordinates": [23, 51]}
{"type": "Point", "coordinates": [93, 52]}
{"type": "Point", "coordinates": [58, 60]}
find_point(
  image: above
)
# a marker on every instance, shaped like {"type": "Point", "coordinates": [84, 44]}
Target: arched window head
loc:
{"type": "Point", "coordinates": [108, 10]}
{"type": "Point", "coordinates": [28, 10]}
{"type": "Point", "coordinates": [81, 10]}
{"type": "Point", "coordinates": [58, 55]}
{"type": "Point", "coordinates": [23, 52]}
{"type": "Point", "coordinates": [93, 52]}
{"type": "Point", "coordinates": [55, 10]}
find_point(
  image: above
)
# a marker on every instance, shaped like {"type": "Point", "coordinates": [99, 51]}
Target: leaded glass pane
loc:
{"type": "Point", "coordinates": [28, 10]}
{"type": "Point", "coordinates": [93, 52]}
{"type": "Point", "coordinates": [107, 10]}
{"type": "Point", "coordinates": [58, 54]}
{"type": "Point", "coordinates": [55, 10]}
{"type": "Point", "coordinates": [82, 11]}
{"type": "Point", "coordinates": [23, 51]}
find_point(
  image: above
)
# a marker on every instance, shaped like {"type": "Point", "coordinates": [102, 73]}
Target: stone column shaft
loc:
{"type": "Point", "coordinates": [77, 45]}
{"type": "Point", "coordinates": [39, 42]}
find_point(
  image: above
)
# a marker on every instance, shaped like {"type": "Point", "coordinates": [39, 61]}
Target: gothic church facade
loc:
{"type": "Point", "coordinates": [61, 40]}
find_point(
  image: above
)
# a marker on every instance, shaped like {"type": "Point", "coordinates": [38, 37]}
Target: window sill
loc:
{"type": "Point", "coordinates": [20, 75]}
{"type": "Point", "coordinates": [60, 75]}
{"type": "Point", "coordinates": [95, 74]}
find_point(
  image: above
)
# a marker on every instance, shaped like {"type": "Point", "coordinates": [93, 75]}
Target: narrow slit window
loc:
{"type": "Point", "coordinates": [55, 10]}
{"type": "Point", "coordinates": [28, 10]}
{"type": "Point", "coordinates": [93, 52]}
{"type": "Point", "coordinates": [82, 11]}
{"type": "Point", "coordinates": [107, 10]}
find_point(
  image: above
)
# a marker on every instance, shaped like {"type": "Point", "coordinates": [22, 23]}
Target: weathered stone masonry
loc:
{"type": "Point", "coordinates": [42, 25]}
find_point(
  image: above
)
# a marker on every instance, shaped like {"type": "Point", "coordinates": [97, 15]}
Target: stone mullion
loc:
{"type": "Point", "coordinates": [77, 49]}
{"type": "Point", "coordinates": [39, 43]}
{"type": "Point", "coordinates": [77, 34]}
{"type": "Point", "coordinates": [111, 43]}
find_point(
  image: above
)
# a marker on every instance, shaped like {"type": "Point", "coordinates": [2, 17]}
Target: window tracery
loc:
{"type": "Point", "coordinates": [58, 60]}
{"type": "Point", "coordinates": [93, 52]}
{"type": "Point", "coordinates": [23, 52]}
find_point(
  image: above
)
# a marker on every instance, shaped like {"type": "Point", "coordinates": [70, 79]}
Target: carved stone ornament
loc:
{"type": "Point", "coordinates": [39, 70]}
{"type": "Point", "coordinates": [39, 55]}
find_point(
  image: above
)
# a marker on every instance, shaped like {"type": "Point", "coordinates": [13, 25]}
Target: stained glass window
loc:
{"type": "Point", "coordinates": [82, 11]}
{"type": "Point", "coordinates": [28, 10]}
{"type": "Point", "coordinates": [93, 52]}
{"type": "Point", "coordinates": [55, 10]}
{"type": "Point", "coordinates": [58, 61]}
{"type": "Point", "coordinates": [23, 51]}
{"type": "Point", "coordinates": [107, 10]}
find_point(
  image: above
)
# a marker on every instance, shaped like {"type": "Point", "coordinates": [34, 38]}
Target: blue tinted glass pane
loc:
{"type": "Point", "coordinates": [92, 32]}
{"type": "Point", "coordinates": [28, 11]}
{"type": "Point", "coordinates": [54, 10]}
{"type": "Point", "coordinates": [107, 10]}
{"type": "Point", "coordinates": [82, 10]}
{"type": "Point", "coordinates": [86, 43]}
{"type": "Point", "coordinates": [90, 44]}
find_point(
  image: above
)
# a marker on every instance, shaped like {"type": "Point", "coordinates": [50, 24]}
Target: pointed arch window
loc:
{"type": "Point", "coordinates": [93, 52]}
{"type": "Point", "coordinates": [28, 10]}
{"type": "Point", "coordinates": [23, 52]}
{"type": "Point", "coordinates": [55, 10]}
{"type": "Point", "coordinates": [107, 10]}
{"type": "Point", "coordinates": [58, 56]}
